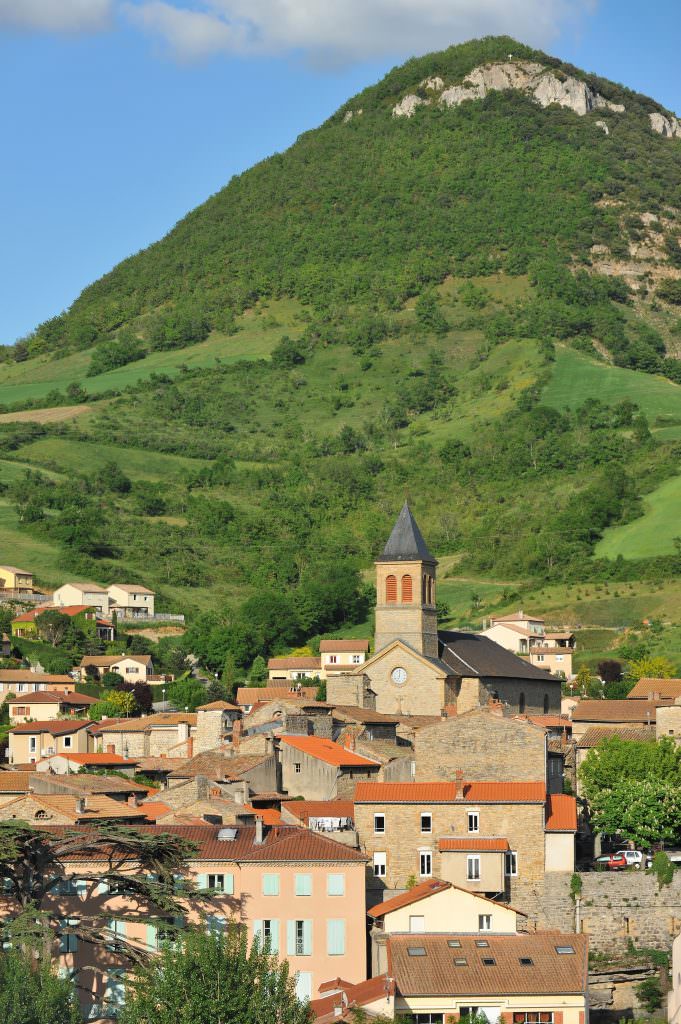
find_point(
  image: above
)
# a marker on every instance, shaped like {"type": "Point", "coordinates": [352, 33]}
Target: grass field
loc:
{"type": "Point", "coordinates": [654, 532]}
{"type": "Point", "coordinates": [64, 454]}
{"type": "Point", "coordinates": [577, 379]}
{"type": "Point", "coordinates": [20, 548]}
{"type": "Point", "coordinates": [56, 414]}
{"type": "Point", "coordinates": [257, 337]}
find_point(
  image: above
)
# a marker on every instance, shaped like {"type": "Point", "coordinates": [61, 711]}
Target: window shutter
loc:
{"type": "Point", "coordinates": [152, 936]}
{"type": "Point", "coordinates": [258, 933]}
{"type": "Point", "coordinates": [274, 936]}
{"type": "Point", "coordinates": [307, 937]}
{"type": "Point", "coordinates": [291, 938]}
{"type": "Point", "coordinates": [335, 885]}
{"type": "Point", "coordinates": [229, 885]}
{"type": "Point", "coordinates": [303, 885]}
{"type": "Point", "coordinates": [81, 887]}
{"type": "Point", "coordinates": [303, 985]}
{"type": "Point", "coordinates": [335, 937]}
{"type": "Point", "coordinates": [202, 881]}
{"type": "Point", "coordinates": [103, 889]}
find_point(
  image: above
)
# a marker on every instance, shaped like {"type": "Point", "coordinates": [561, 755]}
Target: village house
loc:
{"type": "Point", "coordinates": [68, 764]}
{"type": "Point", "coordinates": [14, 582]}
{"type": "Point", "coordinates": [339, 655]}
{"type": "Point", "coordinates": [419, 670]}
{"type": "Point", "coordinates": [131, 601]}
{"type": "Point", "coordinates": [596, 734]}
{"type": "Point", "coordinates": [68, 809]}
{"type": "Point", "coordinates": [83, 617]}
{"type": "Point", "coordinates": [496, 838]}
{"type": "Point", "coordinates": [48, 705]}
{"type": "Point", "coordinates": [32, 741]}
{"type": "Point", "coordinates": [169, 733]}
{"type": "Point", "coordinates": [656, 689]}
{"type": "Point", "coordinates": [124, 790]}
{"type": "Point", "coordinates": [134, 668]}
{"type": "Point", "coordinates": [297, 890]}
{"type": "Point", "coordinates": [22, 680]}
{"type": "Point", "coordinates": [248, 696]}
{"type": "Point", "coordinates": [332, 817]}
{"type": "Point", "coordinates": [216, 773]}
{"type": "Point", "coordinates": [319, 769]}
{"type": "Point", "coordinates": [526, 636]}
{"type": "Point", "coordinates": [90, 594]}
{"type": "Point", "coordinates": [288, 669]}
{"type": "Point", "coordinates": [613, 712]}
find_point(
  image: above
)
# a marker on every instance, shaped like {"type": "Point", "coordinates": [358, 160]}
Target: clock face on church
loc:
{"type": "Point", "coordinates": [399, 676]}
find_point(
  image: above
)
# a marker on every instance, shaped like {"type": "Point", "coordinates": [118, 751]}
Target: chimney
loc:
{"type": "Point", "coordinates": [132, 800]}
{"type": "Point", "coordinates": [110, 748]}
{"type": "Point", "coordinates": [458, 794]}
{"type": "Point", "coordinates": [236, 734]}
{"type": "Point", "coordinates": [81, 805]}
{"type": "Point", "coordinates": [190, 746]}
{"type": "Point", "coordinates": [259, 839]}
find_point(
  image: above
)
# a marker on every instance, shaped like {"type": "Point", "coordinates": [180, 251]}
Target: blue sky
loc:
{"type": "Point", "coordinates": [119, 116]}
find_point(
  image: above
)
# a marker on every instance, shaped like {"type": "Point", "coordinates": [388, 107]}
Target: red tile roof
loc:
{"type": "Point", "coordinates": [348, 997]}
{"type": "Point", "coordinates": [328, 751]}
{"type": "Point", "coordinates": [669, 688]}
{"type": "Point", "coordinates": [405, 899]}
{"type": "Point", "coordinates": [294, 662]}
{"type": "Point", "coordinates": [353, 646]}
{"type": "Point", "coordinates": [595, 734]}
{"type": "Point", "coordinates": [550, 973]}
{"type": "Point", "coordinates": [561, 813]}
{"type": "Point", "coordinates": [551, 721]}
{"type": "Point", "coordinates": [113, 759]}
{"type": "Point", "coordinates": [446, 792]}
{"type": "Point", "coordinates": [218, 705]}
{"type": "Point", "coordinates": [155, 809]}
{"type": "Point", "coordinates": [24, 675]}
{"type": "Point", "coordinates": [56, 728]}
{"type": "Point", "coordinates": [269, 815]}
{"type": "Point", "coordinates": [260, 694]}
{"type": "Point", "coordinates": [494, 845]}
{"type": "Point", "coordinates": [616, 711]}
{"type": "Point", "coordinates": [15, 781]}
{"type": "Point", "coordinates": [53, 697]}
{"type": "Point", "coordinates": [305, 809]}
{"type": "Point", "coordinates": [68, 609]}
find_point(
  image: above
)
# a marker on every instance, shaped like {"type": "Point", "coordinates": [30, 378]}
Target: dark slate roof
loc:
{"type": "Point", "coordinates": [469, 654]}
{"type": "Point", "coordinates": [406, 543]}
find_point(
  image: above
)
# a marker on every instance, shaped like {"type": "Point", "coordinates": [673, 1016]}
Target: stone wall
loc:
{"type": "Point", "coordinates": [616, 907]}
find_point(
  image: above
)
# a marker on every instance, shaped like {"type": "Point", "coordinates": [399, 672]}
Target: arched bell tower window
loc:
{"type": "Point", "coordinates": [407, 590]}
{"type": "Point", "coordinates": [431, 590]}
{"type": "Point", "coordinates": [521, 704]}
{"type": "Point", "coordinates": [391, 589]}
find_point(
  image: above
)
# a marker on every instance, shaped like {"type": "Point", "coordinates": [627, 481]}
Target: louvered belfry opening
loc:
{"type": "Point", "coordinates": [407, 589]}
{"type": "Point", "coordinates": [391, 589]}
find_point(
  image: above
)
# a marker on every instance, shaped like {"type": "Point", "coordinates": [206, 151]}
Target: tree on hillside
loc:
{"type": "Point", "coordinates": [214, 977]}
{"type": "Point", "coordinates": [112, 680]}
{"type": "Point", "coordinates": [187, 693]}
{"type": "Point", "coordinates": [258, 671]}
{"type": "Point", "coordinates": [53, 627]}
{"type": "Point", "coordinates": [44, 900]}
{"type": "Point", "coordinates": [610, 670]}
{"type": "Point", "coordinates": [650, 667]}
{"type": "Point", "coordinates": [32, 993]}
{"type": "Point", "coordinates": [122, 701]}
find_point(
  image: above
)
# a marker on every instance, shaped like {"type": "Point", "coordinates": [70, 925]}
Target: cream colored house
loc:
{"type": "Point", "coordinates": [525, 635]}
{"type": "Point", "coordinates": [48, 706]}
{"type": "Point", "coordinates": [342, 655]}
{"type": "Point", "coordinates": [31, 741]}
{"type": "Point", "coordinates": [20, 581]}
{"type": "Point", "coordinates": [134, 668]}
{"type": "Point", "coordinates": [131, 601]}
{"type": "Point", "coordinates": [22, 680]}
{"type": "Point", "coordinates": [290, 669]}
{"type": "Point", "coordinates": [83, 593]}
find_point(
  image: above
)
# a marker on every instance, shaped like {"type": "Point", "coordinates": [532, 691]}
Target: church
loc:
{"type": "Point", "coordinates": [417, 669]}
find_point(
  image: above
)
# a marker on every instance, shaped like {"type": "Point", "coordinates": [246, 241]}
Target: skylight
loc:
{"type": "Point", "coordinates": [489, 961]}
{"type": "Point", "coordinates": [416, 950]}
{"type": "Point", "coordinates": [460, 961]}
{"type": "Point", "coordinates": [453, 943]}
{"type": "Point", "coordinates": [482, 943]}
{"type": "Point", "coordinates": [526, 961]}
{"type": "Point", "coordinates": [562, 950]}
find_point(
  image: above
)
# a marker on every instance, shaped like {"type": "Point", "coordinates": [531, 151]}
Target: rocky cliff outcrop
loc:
{"type": "Point", "coordinates": [543, 84]}
{"type": "Point", "coordinates": [670, 126]}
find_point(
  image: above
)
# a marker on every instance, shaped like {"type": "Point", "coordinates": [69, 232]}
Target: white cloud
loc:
{"type": "Point", "coordinates": [343, 31]}
{"type": "Point", "coordinates": [55, 15]}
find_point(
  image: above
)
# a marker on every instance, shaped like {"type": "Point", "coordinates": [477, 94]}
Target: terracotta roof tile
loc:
{"type": "Point", "coordinates": [15, 782]}
{"type": "Point", "coordinates": [405, 899]}
{"type": "Point", "coordinates": [561, 813]}
{"type": "Point", "coordinates": [53, 697]}
{"type": "Point", "coordinates": [218, 705]}
{"type": "Point", "coordinates": [260, 694]}
{"type": "Point", "coordinates": [105, 660]}
{"type": "Point", "coordinates": [24, 675]}
{"type": "Point", "coordinates": [269, 815]}
{"type": "Point", "coordinates": [349, 997]}
{"type": "Point", "coordinates": [631, 733]}
{"type": "Point", "coordinates": [517, 617]}
{"type": "Point", "coordinates": [55, 728]}
{"type": "Point", "coordinates": [154, 809]}
{"type": "Point", "coordinates": [163, 720]}
{"type": "Point", "coordinates": [491, 845]}
{"type": "Point", "coordinates": [350, 713]}
{"type": "Point", "coordinates": [445, 792]}
{"type": "Point", "coordinates": [670, 688]}
{"type": "Point", "coordinates": [217, 766]}
{"type": "Point", "coordinates": [98, 807]}
{"type": "Point", "coordinates": [306, 809]}
{"type": "Point", "coordinates": [328, 751]}
{"type": "Point", "coordinates": [99, 759]}
{"type": "Point", "coordinates": [434, 974]}
{"type": "Point", "coordinates": [341, 646]}
{"type": "Point", "coordinates": [83, 782]}
{"type": "Point", "coordinates": [308, 661]}
{"type": "Point", "coordinates": [616, 711]}
{"type": "Point", "coordinates": [551, 721]}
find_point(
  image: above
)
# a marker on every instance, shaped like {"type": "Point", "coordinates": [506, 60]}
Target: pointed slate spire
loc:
{"type": "Point", "coordinates": [406, 543]}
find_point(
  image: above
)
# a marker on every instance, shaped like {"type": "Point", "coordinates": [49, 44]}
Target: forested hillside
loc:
{"type": "Point", "coordinates": [478, 307]}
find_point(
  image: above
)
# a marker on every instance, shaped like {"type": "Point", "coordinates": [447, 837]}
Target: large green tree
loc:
{"type": "Point", "coordinates": [31, 993]}
{"type": "Point", "coordinates": [204, 978]}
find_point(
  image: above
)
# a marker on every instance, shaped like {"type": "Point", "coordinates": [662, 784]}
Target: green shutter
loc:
{"type": "Point", "coordinates": [303, 885]}
{"type": "Point", "coordinates": [257, 933]}
{"type": "Point", "coordinates": [307, 938]}
{"type": "Point", "coordinates": [270, 885]}
{"type": "Point", "coordinates": [103, 889]}
{"type": "Point", "coordinates": [335, 885]}
{"type": "Point", "coordinates": [274, 936]}
{"type": "Point", "coordinates": [202, 881]}
{"type": "Point", "coordinates": [152, 936]}
{"type": "Point", "coordinates": [335, 937]}
{"type": "Point", "coordinates": [229, 885]}
{"type": "Point", "coordinates": [291, 938]}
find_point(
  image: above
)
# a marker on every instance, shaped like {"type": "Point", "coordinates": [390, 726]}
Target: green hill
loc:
{"type": "Point", "coordinates": [474, 305]}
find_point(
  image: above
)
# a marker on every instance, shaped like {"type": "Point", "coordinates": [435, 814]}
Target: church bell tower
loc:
{"type": "Point", "coordinates": [405, 590]}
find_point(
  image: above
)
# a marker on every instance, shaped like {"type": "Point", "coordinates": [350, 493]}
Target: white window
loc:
{"type": "Point", "coordinates": [333, 658]}
{"type": "Point", "coordinates": [540, 657]}
{"type": "Point", "coordinates": [303, 885]}
{"type": "Point", "coordinates": [511, 864]}
{"type": "Point", "coordinates": [299, 938]}
{"type": "Point", "coordinates": [473, 868]}
{"type": "Point", "coordinates": [357, 659]}
{"type": "Point", "coordinates": [68, 742]}
{"type": "Point", "coordinates": [484, 922]}
{"type": "Point", "coordinates": [426, 823]}
{"type": "Point", "coordinates": [297, 767]}
{"type": "Point", "coordinates": [32, 741]}
{"type": "Point", "coordinates": [379, 865]}
{"type": "Point", "coordinates": [425, 863]}
{"type": "Point", "coordinates": [417, 923]}
{"type": "Point", "coordinates": [216, 882]}
{"type": "Point", "coordinates": [267, 933]}
{"type": "Point", "coordinates": [379, 824]}
{"type": "Point", "coordinates": [270, 885]}
{"type": "Point", "coordinates": [68, 942]}
{"type": "Point", "coordinates": [335, 885]}
{"type": "Point", "coordinates": [473, 821]}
